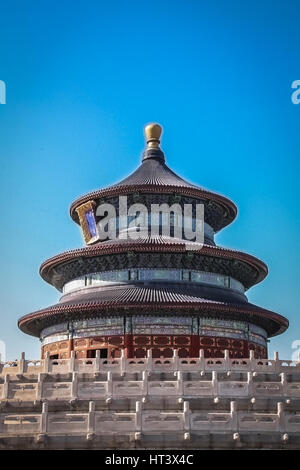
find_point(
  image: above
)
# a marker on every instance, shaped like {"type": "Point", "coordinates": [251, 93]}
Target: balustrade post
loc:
{"type": "Point", "coordinates": [39, 393]}
{"type": "Point", "coordinates": [6, 386]}
{"type": "Point", "coordinates": [284, 383]}
{"type": "Point", "coordinates": [72, 364]}
{"type": "Point", "coordinates": [149, 360]}
{"type": "Point", "coordinates": [227, 362]}
{"type": "Point", "coordinates": [122, 362]}
{"type": "Point", "coordinates": [234, 416]}
{"type": "Point", "coordinates": [214, 383]}
{"type": "Point", "coordinates": [22, 363]}
{"type": "Point", "coordinates": [252, 360]}
{"type": "Point", "coordinates": [175, 359]}
{"type": "Point", "coordinates": [47, 364]}
{"type": "Point", "coordinates": [180, 383]}
{"type": "Point", "coordinates": [186, 415]}
{"type": "Point", "coordinates": [138, 416]}
{"type": "Point", "coordinates": [109, 384]}
{"type": "Point", "coordinates": [277, 362]}
{"type": "Point", "coordinates": [97, 360]}
{"type": "Point", "coordinates": [250, 384]}
{"type": "Point", "coordinates": [74, 386]}
{"type": "Point", "coordinates": [91, 419]}
{"type": "Point", "coordinates": [145, 382]}
{"type": "Point", "coordinates": [44, 418]}
{"type": "Point", "coordinates": [201, 360]}
{"type": "Point", "coordinates": [281, 416]}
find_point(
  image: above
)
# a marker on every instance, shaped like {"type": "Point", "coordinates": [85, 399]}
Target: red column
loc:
{"type": "Point", "coordinates": [195, 346]}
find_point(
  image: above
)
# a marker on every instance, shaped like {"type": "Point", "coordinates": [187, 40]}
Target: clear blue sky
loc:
{"type": "Point", "coordinates": [84, 77]}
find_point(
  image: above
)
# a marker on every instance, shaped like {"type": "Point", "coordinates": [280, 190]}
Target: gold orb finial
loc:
{"type": "Point", "coordinates": [153, 132]}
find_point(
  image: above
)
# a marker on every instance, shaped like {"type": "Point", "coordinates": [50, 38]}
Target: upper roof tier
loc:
{"type": "Point", "coordinates": [154, 176]}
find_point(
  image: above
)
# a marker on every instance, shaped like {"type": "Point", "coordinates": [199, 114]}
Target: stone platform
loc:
{"type": "Point", "coordinates": [193, 403]}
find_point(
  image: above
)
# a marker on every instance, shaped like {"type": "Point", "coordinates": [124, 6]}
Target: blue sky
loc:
{"type": "Point", "coordinates": [84, 77]}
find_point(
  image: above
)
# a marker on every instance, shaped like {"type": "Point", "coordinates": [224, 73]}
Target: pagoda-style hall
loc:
{"type": "Point", "coordinates": [152, 292]}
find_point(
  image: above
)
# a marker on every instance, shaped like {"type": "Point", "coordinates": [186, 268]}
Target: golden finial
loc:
{"type": "Point", "coordinates": [152, 133]}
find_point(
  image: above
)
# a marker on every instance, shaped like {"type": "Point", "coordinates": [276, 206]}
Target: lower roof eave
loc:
{"type": "Point", "coordinates": [33, 323]}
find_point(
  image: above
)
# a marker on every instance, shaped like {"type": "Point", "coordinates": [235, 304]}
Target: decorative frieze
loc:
{"type": "Point", "coordinates": [214, 213]}
{"type": "Point", "coordinates": [162, 344]}
{"type": "Point", "coordinates": [65, 272]}
{"type": "Point", "coordinates": [158, 324]}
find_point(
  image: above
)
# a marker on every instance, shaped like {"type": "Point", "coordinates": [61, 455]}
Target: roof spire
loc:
{"type": "Point", "coordinates": [153, 133]}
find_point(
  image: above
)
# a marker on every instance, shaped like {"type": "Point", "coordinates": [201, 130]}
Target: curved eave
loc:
{"type": "Point", "coordinates": [160, 245]}
{"type": "Point", "coordinates": [226, 203]}
{"type": "Point", "coordinates": [32, 323]}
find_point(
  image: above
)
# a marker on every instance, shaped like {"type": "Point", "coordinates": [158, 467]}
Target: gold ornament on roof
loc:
{"type": "Point", "coordinates": [153, 133]}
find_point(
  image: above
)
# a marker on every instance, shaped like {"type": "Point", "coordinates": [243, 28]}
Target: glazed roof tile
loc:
{"type": "Point", "coordinates": [147, 299]}
{"type": "Point", "coordinates": [153, 175]}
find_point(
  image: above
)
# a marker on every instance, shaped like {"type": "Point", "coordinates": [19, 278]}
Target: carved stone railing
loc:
{"type": "Point", "coordinates": [44, 387]}
{"type": "Point", "coordinates": [99, 379]}
{"type": "Point", "coordinates": [139, 421]}
{"type": "Point", "coordinates": [130, 399]}
{"type": "Point", "coordinates": [174, 364]}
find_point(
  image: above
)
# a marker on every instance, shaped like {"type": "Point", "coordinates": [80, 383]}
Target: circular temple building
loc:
{"type": "Point", "coordinates": [151, 291]}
